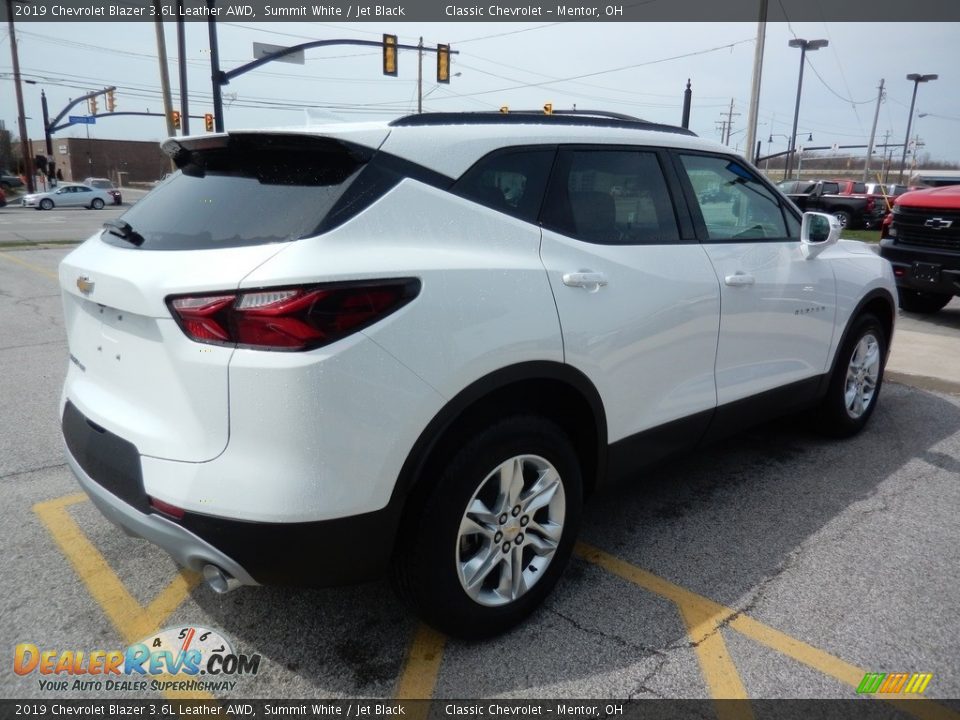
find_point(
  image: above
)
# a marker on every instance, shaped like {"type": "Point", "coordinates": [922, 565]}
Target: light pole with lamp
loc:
{"type": "Point", "coordinates": [917, 79]}
{"type": "Point", "coordinates": [805, 46]}
{"type": "Point", "coordinates": [790, 145]}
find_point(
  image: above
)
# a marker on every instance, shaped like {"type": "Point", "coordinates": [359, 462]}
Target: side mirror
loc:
{"type": "Point", "coordinates": [818, 232]}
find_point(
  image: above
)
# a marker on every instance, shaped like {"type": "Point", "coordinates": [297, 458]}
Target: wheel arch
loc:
{"type": "Point", "coordinates": [878, 302]}
{"type": "Point", "coordinates": [554, 390]}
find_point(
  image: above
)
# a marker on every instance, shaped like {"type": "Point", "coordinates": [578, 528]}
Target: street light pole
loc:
{"type": "Point", "coordinates": [804, 46]}
{"type": "Point", "coordinates": [917, 79]}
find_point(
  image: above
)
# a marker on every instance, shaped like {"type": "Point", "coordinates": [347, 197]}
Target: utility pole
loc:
{"type": "Point", "coordinates": [873, 133]}
{"type": "Point", "coordinates": [420, 76]}
{"type": "Point", "coordinates": [729, 124]}
{"type": "Point", "coordinates": [25, 149]}
{"type": "Point", "coordinates": [182, 62]}
{"type": "Point", "coordinates": [687, 97]}
{"type": "Point", "coordinates": [754, 111]}
{"type": "Point", "coordinates": [164, 74]}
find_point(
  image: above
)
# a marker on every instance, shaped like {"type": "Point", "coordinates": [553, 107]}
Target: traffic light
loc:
{"type": "Point", "coordinates": [443, 64]}
{"type": "Point", "coordinates": [208, 122]}
{"type": "Point", "coordinates": [93, 105]}
{"type": "Point", "coordinates": [111, 104]}
{"type": "Point", "coordinates": [548, 109]}
{"type": "Point", "coordinates": [390, 55]}
{"type": "Point", "coordinates": [175, 116]}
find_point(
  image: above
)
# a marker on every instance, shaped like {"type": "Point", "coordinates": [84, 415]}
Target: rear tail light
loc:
{"type": "Point", "coordinates": [167, 509]}
{"type": "Point", "coordinates": [291, 318]}
{"type": "Point", "coordinates": [870, 204]}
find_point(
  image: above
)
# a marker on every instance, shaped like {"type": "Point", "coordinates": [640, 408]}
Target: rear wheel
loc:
{"type": "Point", "coordinates": [843, 217]}
{"type": "Point", "coordinates": [922, 302]}
{"type": "Point", "coordinates": [97, 204]}
{"type": "Point", "coordinates": [46, 204]}
{"type": "Point", "coordinates": [857, 377]}
{"type": "Point", "coordinates": [496, 532]}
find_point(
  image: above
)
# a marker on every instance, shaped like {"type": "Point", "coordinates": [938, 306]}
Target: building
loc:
{"type": "Point", "coordinates": [123, 161]}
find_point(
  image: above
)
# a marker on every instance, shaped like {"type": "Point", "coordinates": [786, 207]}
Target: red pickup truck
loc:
{"type": "Point", "coordinates": [922, 242]}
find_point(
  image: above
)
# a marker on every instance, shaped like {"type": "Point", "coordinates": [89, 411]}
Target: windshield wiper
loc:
{"type": "Point", "coordinates": [124, 231]}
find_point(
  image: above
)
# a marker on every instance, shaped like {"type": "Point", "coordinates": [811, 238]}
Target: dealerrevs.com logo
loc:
{"type": "Point", "coordinates": [183, 658]}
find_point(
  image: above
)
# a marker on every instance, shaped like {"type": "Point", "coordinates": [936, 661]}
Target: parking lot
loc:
{"type": "Point", "coordinates": [776, 565]}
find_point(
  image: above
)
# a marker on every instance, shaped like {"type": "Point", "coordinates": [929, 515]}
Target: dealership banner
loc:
{"type": "Point", "coordinates": [481, 10]}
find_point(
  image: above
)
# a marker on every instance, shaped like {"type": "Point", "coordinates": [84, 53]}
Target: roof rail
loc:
{"type": "Point", "coordinates": [593, 118]}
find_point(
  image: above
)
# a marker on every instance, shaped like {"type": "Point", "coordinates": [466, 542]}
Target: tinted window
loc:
{"type": "Point", "coordinates": [830, 188]}
{"type": "Point", "coordinates": [254, 189]}
{"type": "Point", "coordinates": [733, 202]}
{"type": "Point", "coordinates": [511, 181]}
{"type": "Point", "coordinates": [859, 187]}
{"type": "Point", "coordinates": [614, 197]}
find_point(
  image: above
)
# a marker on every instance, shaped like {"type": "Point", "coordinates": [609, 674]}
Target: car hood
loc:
{"type": "Point", "coordinates": [947, 197]}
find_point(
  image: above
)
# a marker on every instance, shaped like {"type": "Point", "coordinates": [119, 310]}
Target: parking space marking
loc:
{"type": "Point", "coordinates": [132, 621]}
{"type": "Point", "coordinates": [30, 266]}
{"type": "Point", "coordinates": [422, 667]}
{"type": "Point", "coordinates": [709, 617]}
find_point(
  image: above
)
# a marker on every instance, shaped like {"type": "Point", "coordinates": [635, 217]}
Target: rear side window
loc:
{"type": "Point", "coordinates": [245, 190]}
{"type": "Point", "coordinates": [511, 181]}
{"type": "Point", "coordinates": [859, 187]}
{"type": "Point", "coordinates": [831, 188]}
{"type": "Point", "coordinates": [611, 197]}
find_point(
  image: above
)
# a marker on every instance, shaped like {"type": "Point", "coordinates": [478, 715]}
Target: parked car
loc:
{"type": "Point", "coordinates": [922, 242]}
{"type": "Point", "coordinates": [851, 210]}
{"type": "Point", "coordinates": [106, 185]}
{"type": "Point", "coordinates": [68, 196]}
{"type": "Point", "coordinates": [419, 345]}
{"type": "Point", "coordinates": [9, 181]}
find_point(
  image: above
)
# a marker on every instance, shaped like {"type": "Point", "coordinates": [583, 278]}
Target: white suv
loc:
{"type": "Point", "coordinates": [312, 355]}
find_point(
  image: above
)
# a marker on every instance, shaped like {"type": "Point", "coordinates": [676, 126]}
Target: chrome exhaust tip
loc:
{"type": "Point", "coordinates": [218, 580]}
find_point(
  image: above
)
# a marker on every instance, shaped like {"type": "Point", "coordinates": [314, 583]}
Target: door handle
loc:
{"type": "Point", "coordinates": [739, 280]}
{"type": "Point", "coordinates": [586, 279]}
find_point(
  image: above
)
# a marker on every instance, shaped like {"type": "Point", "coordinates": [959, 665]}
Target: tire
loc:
{"type": "Point", "coordinates": [843, 217]}
{"type": "Point", "coordinates": [916, 301]}
{"type": "Point", "coordinates": [856, 381]}
{"type": "Point", "coordinates": [453, 569]}
{"type": "Point", "coordinates": [97, 204]}
{"type": "Point", "coordinates": [46, 204]}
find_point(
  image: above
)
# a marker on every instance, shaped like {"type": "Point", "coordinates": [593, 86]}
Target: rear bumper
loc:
{"type": "Point", "coordinates": [315, 554]}
{"type": "Point", "coordinates": [902, 258]}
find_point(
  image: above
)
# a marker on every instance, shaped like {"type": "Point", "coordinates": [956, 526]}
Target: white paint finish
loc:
{"type": "Point", "coordinates": [778, 329]}
{"type": "Point", "coordinates": [485, 301]}
{"type": "Point", "coordinates": [314, 435]}
{"type": "Point", "coordinates": [648, 338]}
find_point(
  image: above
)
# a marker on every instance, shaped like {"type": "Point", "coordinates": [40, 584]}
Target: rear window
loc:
{"type": "Point", "coordinates": [244, 190]}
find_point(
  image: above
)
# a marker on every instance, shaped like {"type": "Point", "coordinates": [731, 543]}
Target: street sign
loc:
{"type": "Point", "coordinates": [82, 119]}
{"type": "Point", "coordinates": [262, 49]}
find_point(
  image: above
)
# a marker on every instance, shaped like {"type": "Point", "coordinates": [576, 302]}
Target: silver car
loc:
{"type": "Point", "coordinates": [68, 196]}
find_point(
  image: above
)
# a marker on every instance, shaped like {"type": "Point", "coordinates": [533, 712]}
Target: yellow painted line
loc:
{"type": "Point", "coordinates": [418, 679]}
{"type": "Point", "coordinates": [30, 266]}
{"type": "Point", "coordinates": [703, 619]}
{"type": "Point", "coordinates": [714, 613]}
{"type": "Point", "coordinates": [132, 621]}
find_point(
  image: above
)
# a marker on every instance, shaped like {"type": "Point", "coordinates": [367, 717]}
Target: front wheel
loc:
{"type": "Point", "coordinates": [496, 532]}
{"type": "Point", "coordinates": [916, 301]}
{"type": "Point", "coordinates": [46, 204]}
{"type": "Point", "coordinates": [857, 377]}
{"type": "Point", "coordinates": [97, 204]}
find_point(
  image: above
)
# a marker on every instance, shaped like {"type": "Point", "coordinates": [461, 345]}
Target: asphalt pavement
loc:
{"type": "Point", "coordinates": [778, 564]}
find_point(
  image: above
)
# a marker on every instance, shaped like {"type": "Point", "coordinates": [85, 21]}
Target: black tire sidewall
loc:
{"type": "Point", "coordinates": [435, 585]}
{"type": "Point", "coordinates": [46, 204]}
{"type": "Point", "coordinates": [833, 414]}
{"type": "Point", "coordinates": [97, 204]}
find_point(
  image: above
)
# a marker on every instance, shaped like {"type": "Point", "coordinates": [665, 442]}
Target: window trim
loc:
{"type": "Point", "coordinates": [681, 212]}
{"type": "Point", "coordinates": [786, 205]}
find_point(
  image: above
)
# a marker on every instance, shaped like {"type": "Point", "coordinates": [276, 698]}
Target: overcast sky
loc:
{"type": "Point", "coordinates": [635, 68]}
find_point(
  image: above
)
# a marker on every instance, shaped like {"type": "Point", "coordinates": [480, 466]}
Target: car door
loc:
{"type": "Point", "coordinates": [777, 307]}
{"type": "Point", "coordinates": [636, 294]}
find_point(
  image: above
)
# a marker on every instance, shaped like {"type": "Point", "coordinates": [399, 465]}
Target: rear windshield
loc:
{"type": "Point", "coordinates": [244, 190]}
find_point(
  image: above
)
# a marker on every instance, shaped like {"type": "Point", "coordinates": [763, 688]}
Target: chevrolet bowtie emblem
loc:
{"type": "Point", "coordinates": [938, 223]}
{"type": "Point", "coordinates": [84, 285]}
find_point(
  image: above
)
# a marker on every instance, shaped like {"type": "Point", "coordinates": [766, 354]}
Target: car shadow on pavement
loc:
{"type": "Point", "coordinates": [723, 522]}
